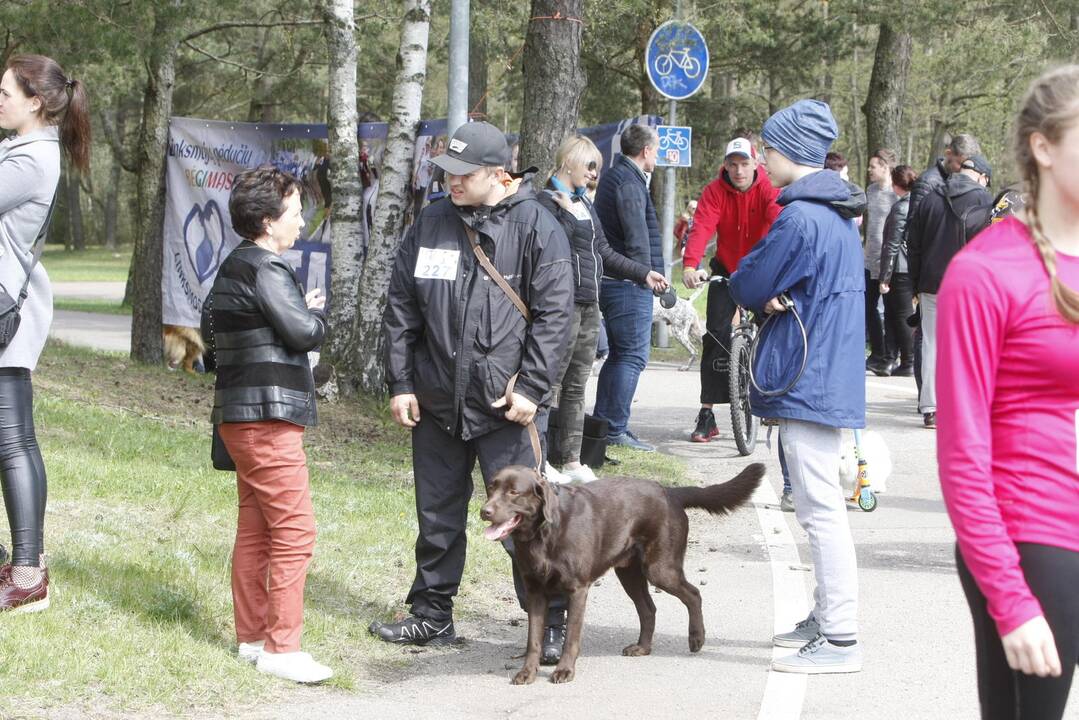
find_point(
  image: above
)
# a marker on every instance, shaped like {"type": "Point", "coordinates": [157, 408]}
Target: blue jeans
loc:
{"type": "Point", "coordinates": [627, 312]}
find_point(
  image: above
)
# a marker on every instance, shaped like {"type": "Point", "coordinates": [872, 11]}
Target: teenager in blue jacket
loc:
{"type": "Point", "coordinates": [814, 255]}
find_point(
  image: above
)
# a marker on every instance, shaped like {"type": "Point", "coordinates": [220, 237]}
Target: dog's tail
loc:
{"type": "Point", "coordinates": [720, 498]}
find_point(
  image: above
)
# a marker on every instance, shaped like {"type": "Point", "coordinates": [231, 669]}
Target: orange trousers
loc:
{"type": "Point", "coordinates": [275, 531]}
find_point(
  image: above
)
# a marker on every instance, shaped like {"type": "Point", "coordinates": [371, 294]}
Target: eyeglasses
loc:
{"type": "Point", "coordinates": [768, 147]}
{"type": "Point", "coordinates": [592, 166]}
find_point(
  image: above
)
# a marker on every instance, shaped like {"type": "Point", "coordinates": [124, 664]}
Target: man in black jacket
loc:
{"type": "Point", "coordinates": [625, 210]}
{"type": "Point", "coordinates": [947, 218]}
{"type": "Point", "coordinates": [453, 340]}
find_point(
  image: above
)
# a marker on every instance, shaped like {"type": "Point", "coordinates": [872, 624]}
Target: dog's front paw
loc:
{"type": "Point", "coordinates": [636, 650]}
{"type": "Point", "coordinates": [562, 675]}
{"type": "Point", "coordinates": [526, 676]}
{"type": "Point", "coordinates": [696, 641]}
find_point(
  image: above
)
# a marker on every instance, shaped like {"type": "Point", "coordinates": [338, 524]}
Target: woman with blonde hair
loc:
{"type": "Point", "coordinates": [577, 163]}
{"type": "Point", "coordinates": [1008, 418]}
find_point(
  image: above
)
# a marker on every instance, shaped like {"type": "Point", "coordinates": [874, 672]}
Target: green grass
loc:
{"type": "Point", "coordinates": [139, 532]}
{"type": "Point", "coordinates": [95, 264]}
{"type": "Point", "coordinates": [94, 306]}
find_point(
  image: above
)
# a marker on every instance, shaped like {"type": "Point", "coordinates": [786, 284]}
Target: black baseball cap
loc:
{"type": "Point", "coordinates": [978, 164]}
{"type": "Point", "coordinates": [475, 145]}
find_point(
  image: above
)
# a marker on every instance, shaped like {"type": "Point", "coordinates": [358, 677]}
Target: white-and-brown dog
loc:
{"type": "Point", "coordinates": [685, 324]}
{"type": "Point", "coordinates": [183, 346]}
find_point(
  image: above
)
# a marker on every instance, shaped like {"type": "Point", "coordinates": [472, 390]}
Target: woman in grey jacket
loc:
{"type": "Point", "coordinates": [895, 282]}
{"type": "Point", "coordinates": [48, 112]}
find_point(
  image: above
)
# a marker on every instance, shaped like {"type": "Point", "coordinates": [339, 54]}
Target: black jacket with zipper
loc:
{"type": "Point", "coordinates": [592, 256]}
{"type": "Point", "coordinates": [893, 252]}
{"type": "Point", "coordinates": [455, 340]}
{"type": "Point", "coordinates": [257, 324]}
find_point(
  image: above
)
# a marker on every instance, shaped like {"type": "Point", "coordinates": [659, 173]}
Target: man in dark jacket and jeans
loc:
{"type": "Point", "coordinates": [453, 340]}
{"type": "Point", "coordinates": [625, 210]}
{"type": "Point", "coordinates": [946, 219]}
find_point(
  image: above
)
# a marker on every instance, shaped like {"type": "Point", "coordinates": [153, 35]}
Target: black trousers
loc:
{"type": "Point", "coordinates": [1005, 694]}
{"type": "Point", "coordinates": [898, 305]}
{"type": "Point", "coordinates": [21, 469]}
{"type": "Point", "coordinates": [716, 351]}
{"type": "Point", "coordinates": [880, 349]}
{"type": "Point", "coordinates": [442, 464]}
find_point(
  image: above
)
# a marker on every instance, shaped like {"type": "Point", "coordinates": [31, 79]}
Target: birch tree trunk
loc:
{"type": "Point", "coordinates": [553, 80]}
{"type": "Point", "coordinates": [883, 108]}
{"type": "Point", "coordinates": [347, 234]}
{"type": "Point", "coordinates": [394, 196]}
{"type": "Point", "coordinates": [146, 345]}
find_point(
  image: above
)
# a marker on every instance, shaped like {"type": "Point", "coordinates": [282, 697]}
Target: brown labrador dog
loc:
{"type": "Point", "coordinates": [566, 538]}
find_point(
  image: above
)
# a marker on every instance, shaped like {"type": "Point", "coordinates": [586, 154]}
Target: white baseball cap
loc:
{"type": "Point", "coordinates": [740, 146]}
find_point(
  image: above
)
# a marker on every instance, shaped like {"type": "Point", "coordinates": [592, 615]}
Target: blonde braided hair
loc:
{"type": "Point", "coordinates": [1051, 107]}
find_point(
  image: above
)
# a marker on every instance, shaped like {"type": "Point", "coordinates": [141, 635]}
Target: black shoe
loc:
{"type": "Point", "coordinates": [880, 368]}
{"type": "Point", "coordinates": [929, 419]}
{"type": "Point", "coordinates": [903, 371]}
{"type": "Point", "coordinates": [706, 427]}
{"type": "Point", "coordinates": [415, 630]}
{"type": "Point", "coordinates": [554, 637]}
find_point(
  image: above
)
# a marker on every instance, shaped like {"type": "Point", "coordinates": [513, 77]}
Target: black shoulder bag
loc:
{"type": "Point", "coordinates": [11, 307]}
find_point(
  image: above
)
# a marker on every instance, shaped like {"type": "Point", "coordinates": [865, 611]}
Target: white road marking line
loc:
{"type": "Point", "coordinates": [783, 692]}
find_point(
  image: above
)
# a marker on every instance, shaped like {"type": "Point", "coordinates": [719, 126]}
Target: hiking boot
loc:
{"type": "Point", "coordinates": [19, 600]}
{"type": "Point", "coordinates": [297, 666]}
{"type": "Point", "coordinates": [554, 637]}
{"type": "Point", "coordinates": [629, 440]}
{"type": "Point", "coordinates": [929, 419]}
{"type": "Point", "coordinates": [804, 632]}
{"type": "Point", "coordinates": [786, 504]}
{"type": "Point", "coordinates": [706, 427]}
{"type": "Point", "coordinates": [820, 657]}
{"type": "Point", "coordinates": [415, 630]}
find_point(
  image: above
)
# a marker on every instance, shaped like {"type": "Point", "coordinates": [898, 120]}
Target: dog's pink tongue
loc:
{"type": "Point", "coordinates": [501, 531]}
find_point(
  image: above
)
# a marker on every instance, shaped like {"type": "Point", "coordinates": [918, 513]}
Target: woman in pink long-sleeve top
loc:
{"type": "Point", "coordinates": [1008, 419]}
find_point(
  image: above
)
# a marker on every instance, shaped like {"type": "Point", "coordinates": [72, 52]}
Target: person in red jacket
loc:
{"type": "Point", "coordinates": [738, 207]}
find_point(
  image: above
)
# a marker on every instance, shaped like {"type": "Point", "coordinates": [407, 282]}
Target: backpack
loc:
{"type": "Point", "coordinates": [971, 221]}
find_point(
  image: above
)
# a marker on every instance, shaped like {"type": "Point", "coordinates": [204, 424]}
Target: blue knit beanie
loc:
{"type": "Point", "coordinates": [802, 132]}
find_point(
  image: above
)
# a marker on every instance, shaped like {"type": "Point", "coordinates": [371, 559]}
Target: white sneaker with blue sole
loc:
{"type": "Point", "coordinates": [820, 657]}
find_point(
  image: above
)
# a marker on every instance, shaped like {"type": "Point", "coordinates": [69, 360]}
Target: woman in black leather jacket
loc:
{"type": "Point", "coordinates": [260, 325]}
{"type": "Point", "coordinates": [895, 282]}
{"type": "Point", "coordinates": [577, 162]}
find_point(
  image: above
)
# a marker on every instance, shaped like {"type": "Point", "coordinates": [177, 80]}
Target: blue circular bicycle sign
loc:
{"type": "Point", "coordinates": [677, 60]}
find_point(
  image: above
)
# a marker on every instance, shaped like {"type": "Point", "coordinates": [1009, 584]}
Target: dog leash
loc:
{"type": "Point", "coordinates": [492, 271]}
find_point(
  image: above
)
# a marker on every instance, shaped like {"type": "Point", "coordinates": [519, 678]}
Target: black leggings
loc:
{"type": "Point", "coordinates": [21, 468]}
{"type": "Point", "coordinates": [1005, 694]}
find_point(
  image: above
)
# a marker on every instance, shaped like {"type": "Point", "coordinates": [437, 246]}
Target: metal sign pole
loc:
{"type": "Point", "coordinates": [666, 226]}
{"type": "Point", "coordinates": [457, 113]}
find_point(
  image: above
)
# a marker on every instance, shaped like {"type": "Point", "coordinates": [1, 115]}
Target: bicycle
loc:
{"type": "Point", "coordinates": [744, 424]}
{"type": "Point", "coordinates": [681, 58]}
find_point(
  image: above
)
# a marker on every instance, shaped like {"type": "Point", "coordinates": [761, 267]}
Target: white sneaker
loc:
{"type": "Point", "coordinates": [552, 475]}
{"type": "Point", "coordinates": [295, 666]}
{"type": "Point", "coordinates": [250, 652]}
{"type": "Point", "coordinates": [582, 474]}
{"type": "Point", "coordinates": [820, 657]}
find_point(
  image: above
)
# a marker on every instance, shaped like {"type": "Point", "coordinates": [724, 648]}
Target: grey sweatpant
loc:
{"type": "Point", "coordinates": [927, 399]}
{"type": "Point", "coordinates": [812, 452]}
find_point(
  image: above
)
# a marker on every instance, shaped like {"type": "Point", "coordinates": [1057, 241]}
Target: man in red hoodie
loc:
{"type": "Point", "coordinates": [738, 207]}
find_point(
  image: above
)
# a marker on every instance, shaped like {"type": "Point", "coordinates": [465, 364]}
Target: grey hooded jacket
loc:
{"type": "Point", "coordinates": [29, 173]}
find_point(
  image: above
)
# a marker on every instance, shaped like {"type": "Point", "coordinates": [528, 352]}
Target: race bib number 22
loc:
{"type": "Point", "coordinates": [435, 264]}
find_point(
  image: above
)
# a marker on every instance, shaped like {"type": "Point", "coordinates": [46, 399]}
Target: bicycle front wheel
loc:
{"type": "Point", "coordinates": [743, 423]}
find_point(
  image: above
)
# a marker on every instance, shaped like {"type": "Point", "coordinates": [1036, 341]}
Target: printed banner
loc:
{"type": "Point", "coordinates": [204, 157]}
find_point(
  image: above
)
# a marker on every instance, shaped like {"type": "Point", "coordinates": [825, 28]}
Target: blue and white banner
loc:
{"type": "Point", "coordinates": [204, 157]}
